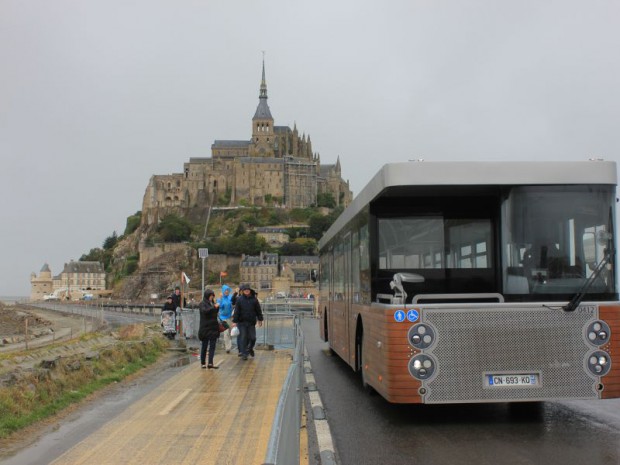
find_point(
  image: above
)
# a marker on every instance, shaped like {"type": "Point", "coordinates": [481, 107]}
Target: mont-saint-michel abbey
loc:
{"type": "Point", "coordinates": [275, 166]}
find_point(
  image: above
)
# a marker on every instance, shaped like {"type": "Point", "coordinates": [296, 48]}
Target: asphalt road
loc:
{"type": "Point", "coordinates": [367, 430]}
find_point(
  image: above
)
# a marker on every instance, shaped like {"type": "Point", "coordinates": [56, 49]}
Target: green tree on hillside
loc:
{"type": "Point", "coordinates": [110, 242]}
{"type": "Point", "coordinates": [318, 223]}
{"type": "Point", "coordinates": [174, 229]}
{"type": "Point", "coordinates": [326, 199]}
{"type": "Point", "coordinates": [98, 255]}
{"type": "Point", "coordinates": [133, 222]}
{"type": "Point", "coordinates": [300, 246]}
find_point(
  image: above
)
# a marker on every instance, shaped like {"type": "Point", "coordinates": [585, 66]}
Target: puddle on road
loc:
{"type": "Point", "coordinates": [181, 362]}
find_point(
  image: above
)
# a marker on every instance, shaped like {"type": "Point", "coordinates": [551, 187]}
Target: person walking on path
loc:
{"type": "Point", "coordinates": [226, 302]}
{"type": "Point", "coordinates": [208, 331]}
{"type": "Point", "coordinates": [247, 314]}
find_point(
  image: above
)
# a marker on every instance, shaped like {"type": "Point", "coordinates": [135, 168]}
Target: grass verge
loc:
{"type": "Point", "coordinates": [42, 392]}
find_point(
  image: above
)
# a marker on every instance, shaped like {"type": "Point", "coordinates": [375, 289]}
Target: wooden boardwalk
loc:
{"type": "Point", "coordinates": [200, 416]}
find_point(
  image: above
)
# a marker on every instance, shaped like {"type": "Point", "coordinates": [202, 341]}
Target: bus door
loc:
{"type": "Point", "coordinates": [347, 296]}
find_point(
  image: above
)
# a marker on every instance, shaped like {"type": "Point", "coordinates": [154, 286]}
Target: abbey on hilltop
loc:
{"type": "Point", "coordinates": [274, 167]}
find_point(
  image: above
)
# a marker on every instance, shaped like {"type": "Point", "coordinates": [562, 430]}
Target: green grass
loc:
{"type": "Point", "coordinates": [35, 398]}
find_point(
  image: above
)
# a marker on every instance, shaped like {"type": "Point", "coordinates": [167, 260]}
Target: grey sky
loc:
{"type": "Point", "coordinates": [96, 96]}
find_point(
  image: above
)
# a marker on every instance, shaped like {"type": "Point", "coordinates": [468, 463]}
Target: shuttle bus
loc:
{"type": "Point", "coordinates": [454, 282]}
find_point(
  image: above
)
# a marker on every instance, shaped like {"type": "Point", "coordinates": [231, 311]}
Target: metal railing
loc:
{"type": "Point", "coordinates": [283, 447]}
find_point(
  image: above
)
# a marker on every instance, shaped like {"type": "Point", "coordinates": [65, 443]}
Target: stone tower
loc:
{"type": "Point", "coordinates": [262, 125]}
{"type": "Point", "coordinates": [41, 285]}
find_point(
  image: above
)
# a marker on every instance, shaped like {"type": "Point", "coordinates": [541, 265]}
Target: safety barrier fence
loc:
{"type": "Point", "coordinates": [283, 447]}
{"type": "Point", "coordinates": [269, 306]}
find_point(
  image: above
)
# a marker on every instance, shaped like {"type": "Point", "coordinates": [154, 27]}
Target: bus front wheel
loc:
{"type": "Point", "coordinates": [362, 362]}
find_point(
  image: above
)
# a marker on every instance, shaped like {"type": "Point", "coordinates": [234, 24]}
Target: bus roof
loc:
{"type": "Point", "coordinates": [522, 173]}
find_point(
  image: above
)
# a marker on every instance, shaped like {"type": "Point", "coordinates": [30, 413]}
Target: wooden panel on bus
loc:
{"type": "Point", "coordinates": [388, 362]}
{"type": "Point", "coordinates": [610, 314]}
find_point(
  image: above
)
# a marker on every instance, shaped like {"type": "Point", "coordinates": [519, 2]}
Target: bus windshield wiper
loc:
{"type": "Point", "coordinates": [577, 298]}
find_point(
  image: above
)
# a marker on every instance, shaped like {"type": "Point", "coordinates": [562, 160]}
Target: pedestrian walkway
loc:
{"type": "Point", "coordinates": [201, 416]}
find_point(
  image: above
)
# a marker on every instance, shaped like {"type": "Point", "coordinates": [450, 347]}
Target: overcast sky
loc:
{"type": "Point", "coordinates": [96, 96]}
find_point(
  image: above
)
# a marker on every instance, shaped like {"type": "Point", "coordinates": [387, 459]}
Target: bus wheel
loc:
{"type": "Point", "coordinates": [367, 387]}
{"type": "Point", "coordinates": [325, 330]}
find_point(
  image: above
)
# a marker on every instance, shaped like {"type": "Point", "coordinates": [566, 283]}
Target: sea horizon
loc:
{"type": "Point", "coordinates": [12, 299]}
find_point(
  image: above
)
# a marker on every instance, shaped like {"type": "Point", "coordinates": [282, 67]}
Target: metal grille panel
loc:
{"type": "Point", "coordinates": [474, 341]}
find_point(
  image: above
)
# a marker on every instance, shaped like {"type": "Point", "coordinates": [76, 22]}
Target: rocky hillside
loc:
{"type": "Point", "coordinates": [136, 275]}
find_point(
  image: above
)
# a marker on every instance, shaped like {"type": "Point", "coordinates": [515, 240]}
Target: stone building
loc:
{"type": "Point", "coordinates": [299, 268]}
{"type": "Point", "coordinates": [77, 278]}
{"type": "Point", "coordinates": [260, 271]}
{"type": "Point", "coordinates": [80, 276]}
{"type": "Point", "coordinates": [41, 285]}
{"type": "Point", "coordinates": [272, 274]}
{"type": "Point", "coordinates": [276, 166]}
{"type": "Point", "coordinates": [275, 237]}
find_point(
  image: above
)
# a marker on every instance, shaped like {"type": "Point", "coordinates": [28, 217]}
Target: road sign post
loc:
{"type": "Point", "coordinates": [202, 254]}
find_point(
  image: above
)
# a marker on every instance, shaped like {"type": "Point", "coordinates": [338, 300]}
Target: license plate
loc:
{"type": "Point", "coordinates": [512, 380]}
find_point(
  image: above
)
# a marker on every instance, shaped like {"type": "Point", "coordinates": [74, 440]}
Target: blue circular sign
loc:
{"type": "Point", "coordinates": [413, 315]}
{"type": "Point", "coordinates": [399, 316]}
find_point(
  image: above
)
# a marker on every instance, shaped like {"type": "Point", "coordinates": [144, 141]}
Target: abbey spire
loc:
{"type": "Point", "coordinates": [262, 123]}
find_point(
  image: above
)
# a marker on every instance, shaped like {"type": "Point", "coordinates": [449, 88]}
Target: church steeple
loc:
{"type": "Point", "coordinates": [263, 135]}
{"type": "Point", "coordinates": [262, 111]}
{"type": "Point", "coordinates": [263, 83]}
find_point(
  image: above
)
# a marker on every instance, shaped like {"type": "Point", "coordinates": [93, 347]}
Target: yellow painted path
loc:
{"type": "Point", "coordinates": [200, 416]}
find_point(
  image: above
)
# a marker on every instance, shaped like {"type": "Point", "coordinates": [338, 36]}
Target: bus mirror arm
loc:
{"type": "Point", "coordinates": [577, 298]}
{"type": "Point", "coordinates": [400, 296]}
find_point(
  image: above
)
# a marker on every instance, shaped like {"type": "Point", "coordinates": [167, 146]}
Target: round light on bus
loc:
{"type": "Point", "coordinates": [598, 333]}
{"type": "Point", "coordinates": [422, 367]}
{"type": "Point", "coordinates": [599, 363]}
{"type": "Point", "coordinates": [421, 336]}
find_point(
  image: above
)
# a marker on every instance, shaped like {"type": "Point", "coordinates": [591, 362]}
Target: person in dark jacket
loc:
{"type": "Point", "coordinates": [209, 329]}
{"type": "Point", "coordinates": [246, 315]}
{"type": "Point", "coordinates": [168, 305]}
{"type": "Point", "coordinates": [176, 298]}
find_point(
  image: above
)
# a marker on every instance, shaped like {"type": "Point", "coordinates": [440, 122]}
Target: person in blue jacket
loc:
{"type": "Point", "coordinates": [227, 302]}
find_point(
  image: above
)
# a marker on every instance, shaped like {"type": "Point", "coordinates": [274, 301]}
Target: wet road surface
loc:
{"type": "Point", "coordinates": [368, 430]}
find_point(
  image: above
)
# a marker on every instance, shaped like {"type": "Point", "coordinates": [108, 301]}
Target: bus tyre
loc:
{"type": "Point", "coordinates": [367, 387]}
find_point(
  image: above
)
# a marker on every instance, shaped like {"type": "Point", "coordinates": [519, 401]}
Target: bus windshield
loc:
{"type": "Point", "coordinates": [531, 243]}
{"type": "Point", "coordinates": [554, 237]}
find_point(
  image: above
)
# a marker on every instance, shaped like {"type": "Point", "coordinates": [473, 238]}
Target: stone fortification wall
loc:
{"type": "Point", "coordinates": [152, 253]}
